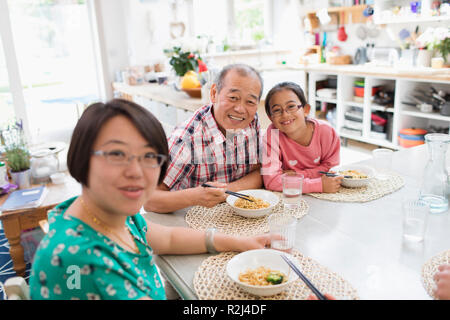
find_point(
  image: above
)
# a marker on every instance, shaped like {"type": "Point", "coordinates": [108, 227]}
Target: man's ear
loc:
{"type": "Point", "coordinates": [306, 109]}
{"type": "Point", "coordinates": [212, 93]}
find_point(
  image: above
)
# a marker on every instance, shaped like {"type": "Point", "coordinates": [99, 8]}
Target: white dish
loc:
{"type": "Point", "coordinates": [355, 183]}
{"type": "Point", "coordinates": [253, 259]}
{"type": "Point", "coordinates": [265, 195]}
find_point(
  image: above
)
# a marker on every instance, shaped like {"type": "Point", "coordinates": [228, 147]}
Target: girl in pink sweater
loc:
{"type": "Point", "coordinates": [294, 142]}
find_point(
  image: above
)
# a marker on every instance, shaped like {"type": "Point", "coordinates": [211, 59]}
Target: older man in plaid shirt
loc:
{"type": "Point", "coordinates": [218, 145]}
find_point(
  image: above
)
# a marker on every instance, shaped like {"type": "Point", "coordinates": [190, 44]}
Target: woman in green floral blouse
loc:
{"type": "Point", "coordinates": [98, 245]}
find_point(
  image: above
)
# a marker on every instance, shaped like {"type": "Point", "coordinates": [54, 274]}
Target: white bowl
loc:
{"type": "Point", "coordinates": [58, 178]}
{"type": "Point", "coordinates": [253, 259]}
{"type": "Point", "coordinates": [265, 195]}
{"type": "Point", "coordinates": [355, 183]}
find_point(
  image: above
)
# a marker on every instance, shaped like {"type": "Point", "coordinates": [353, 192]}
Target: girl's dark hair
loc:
{"type": "Point", "coordinates": [285, 86]}
{"type": "Point", "coordinates": [92, 121]}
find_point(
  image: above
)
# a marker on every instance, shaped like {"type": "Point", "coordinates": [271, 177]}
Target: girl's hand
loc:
{"type": "Point", "coordinates": [442, 279]}
{"type": "Point", "coordinates": [331, 184]}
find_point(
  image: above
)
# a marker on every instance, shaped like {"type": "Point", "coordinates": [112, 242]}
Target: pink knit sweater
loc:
{"type": "Point", "coordinates": [283, 153]}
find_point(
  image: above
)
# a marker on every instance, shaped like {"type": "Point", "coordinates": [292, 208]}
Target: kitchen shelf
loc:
{"type": "Point", "coordinates": [355, 11]}
{"type": "Point", "coordinates": [400, 116]}
{"type": "Point", "coordinates": [327, 100]}
{"type": "Point", "coordinates": [374, 141]}
{"type": "Point", "coordinates": [381, 108]}
{"type": "Point", "coordinates": [354, 104]}
{"type": "Point", "coordinates": [397, 20]}
{"type": "Point", "coordinates": [411, 111]}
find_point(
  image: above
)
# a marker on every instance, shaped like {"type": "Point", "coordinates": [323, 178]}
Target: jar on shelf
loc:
{"type": "Point", "coordinates": [43, 164]}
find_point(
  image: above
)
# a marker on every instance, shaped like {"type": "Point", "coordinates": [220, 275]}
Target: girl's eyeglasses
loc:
{"type": "Point", "coordinates": [278, 111]}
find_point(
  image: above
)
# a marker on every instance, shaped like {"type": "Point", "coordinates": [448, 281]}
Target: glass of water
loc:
{"type": "Point", "coordinates": [282, 229]}
{"type": "Point", "coordinates": [383, 162]}
{"type": "Point", "coordinates": [415, 217]}
{"type": "Point", "coordinates": [292, 190]}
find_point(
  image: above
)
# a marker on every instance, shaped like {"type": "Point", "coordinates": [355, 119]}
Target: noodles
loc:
{"type": "Point", "coordinates": [354, 174]}
{"type": "Point", "coordinates": [258, 276]}
{"type": "Point", "coordinates": [257, 204]}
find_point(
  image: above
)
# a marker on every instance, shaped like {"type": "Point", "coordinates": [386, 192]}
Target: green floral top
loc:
{"type": "Point", "coordinates": [74, 261]}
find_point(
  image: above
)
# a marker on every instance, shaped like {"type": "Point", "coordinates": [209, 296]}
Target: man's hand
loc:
{"type": "Point", "coordinates": [209, 197]}
{"type": "Point", "coordinates": [331, 184]}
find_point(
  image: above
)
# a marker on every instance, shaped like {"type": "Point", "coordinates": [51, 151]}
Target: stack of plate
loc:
{"type": "Point", "coordinates": [411, 137]}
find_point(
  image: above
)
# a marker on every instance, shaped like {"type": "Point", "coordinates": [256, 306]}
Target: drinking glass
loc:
{"type": "Point", "coordinates": [382, 163]}
{"type": "Point", "coordinates": [415, 217]}
{"type": "Point", "coordinates": [282, 229]}
{"type": "Point", "coordinates": [292, 190]}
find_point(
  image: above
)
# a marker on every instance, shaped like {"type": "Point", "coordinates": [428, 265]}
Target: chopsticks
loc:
{"type": "Point", "coordinates": [330, 174]}
{"type": "Point", "coordinates": [304, 279]}
{"type": "Point", "coordinates": [239, 195]}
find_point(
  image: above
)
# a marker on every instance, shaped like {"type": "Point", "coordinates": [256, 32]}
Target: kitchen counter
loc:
{"type": "Point", "coordinates": [416, 73]}
{"type": "Point", "coordinates": [161, 93]}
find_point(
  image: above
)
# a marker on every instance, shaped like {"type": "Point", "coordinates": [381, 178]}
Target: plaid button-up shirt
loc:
{"type": "Point", "coordinates": [199, 152]}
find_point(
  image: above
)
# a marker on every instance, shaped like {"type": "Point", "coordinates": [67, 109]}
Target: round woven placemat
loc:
{"type": "Point", "coordinates": [211, 281]}
{"type": "Point", "coordinates": [374, 190]}
{"type": "Point", "coordinates": [222, 218]}
{"type": "Point", "coordinates": [430, 268]}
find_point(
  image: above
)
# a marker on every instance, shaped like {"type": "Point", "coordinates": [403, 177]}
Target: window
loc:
{"type": "Point", "coordinates": [236, 22]}
{"type": "Point", "coordinates": [210, 19]}
{"type": "Point", "coordinates": [249, 20]}
{"type": "Point", "coordinates": [54, 50]}
{"type": "Point", "coordinates": [6, 106]}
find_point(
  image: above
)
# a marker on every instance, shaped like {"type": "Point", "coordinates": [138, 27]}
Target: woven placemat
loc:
{"type": "Point", "coordinates": [430, 268]}
{"type": "Point", "coordinates": [374, 190]}
{"type": "Point", "coordinates": [211, 281]}
{"type": "Point", "coordinates": [222, 218]}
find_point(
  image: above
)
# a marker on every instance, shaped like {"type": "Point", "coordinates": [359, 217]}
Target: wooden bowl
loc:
{"type": "Point", "coordinates": [194, 93]}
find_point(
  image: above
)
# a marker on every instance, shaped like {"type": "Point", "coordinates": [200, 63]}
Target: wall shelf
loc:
{"type": "Point", "coordinates": [399, 116]}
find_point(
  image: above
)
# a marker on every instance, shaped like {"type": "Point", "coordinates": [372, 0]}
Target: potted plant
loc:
{"type": "Point", "coordinates": [431, 39]}
{"type": "Point", "coordinates": [17, 155]}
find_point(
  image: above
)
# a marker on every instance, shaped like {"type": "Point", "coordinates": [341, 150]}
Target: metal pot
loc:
{"type": "Point", "coordinates": [22, 179]}
{"type": "Point", "coordinates": [445, 109]}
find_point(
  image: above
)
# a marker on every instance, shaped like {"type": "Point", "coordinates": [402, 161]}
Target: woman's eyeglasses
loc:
{"type": "Point", "coordinates": [278, 111]}
{"type": "Point", "coordinates": [121, 158]}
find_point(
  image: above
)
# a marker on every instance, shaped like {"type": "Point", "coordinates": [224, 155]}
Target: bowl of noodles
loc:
{"type": "Point", "coordinates": [264, 202]}
{"type": "Point", "coordinates": [261, 272]}
{"type": "Point", "coordinates": [357, 176]}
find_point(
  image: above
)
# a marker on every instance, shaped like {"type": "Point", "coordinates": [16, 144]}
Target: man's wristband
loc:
{"type": "Point", "coordinates": [209, 240]}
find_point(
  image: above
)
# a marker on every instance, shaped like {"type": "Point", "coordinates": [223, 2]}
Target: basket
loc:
{"type": "Point", "coordinates": [340, 60]}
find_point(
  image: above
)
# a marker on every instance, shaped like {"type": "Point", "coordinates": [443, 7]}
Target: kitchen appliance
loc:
{"type": "Point", "coordinates": [384, 56]}
{"type": "Point", "coordinates": [361, 56]}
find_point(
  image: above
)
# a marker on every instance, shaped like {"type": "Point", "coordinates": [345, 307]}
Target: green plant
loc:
{"type": "Point", "coordinates": [16, 151]}
{"type": "Point", "coordinates": [444, 48]}
{"type": "Point", "coordinates": [182, 62]}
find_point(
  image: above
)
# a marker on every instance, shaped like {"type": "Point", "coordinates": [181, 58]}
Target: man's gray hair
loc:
{"type": "Point", "coordinates": [243, 70]}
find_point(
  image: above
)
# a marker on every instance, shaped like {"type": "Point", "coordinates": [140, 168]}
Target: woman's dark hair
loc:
{"type": "Point", "coordinates": [92, 121]}
{"type": "Point", "coordinates": [285, 86]}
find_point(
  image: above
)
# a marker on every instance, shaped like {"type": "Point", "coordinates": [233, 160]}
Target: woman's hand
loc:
{"type": "Point", "coordinates": [442, 279]}
{"type": "Point", "coordinates": [331, 184]}
{"type": "Point", "coordinates": [251, 243]}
